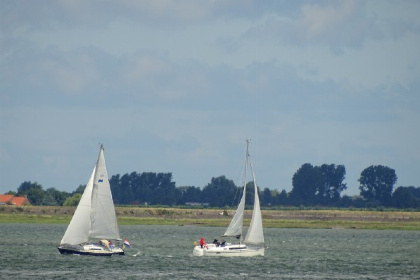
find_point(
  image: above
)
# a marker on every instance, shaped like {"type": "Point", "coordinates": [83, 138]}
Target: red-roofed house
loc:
{"type": "Point", "coordinates": [9, 199]}
{"type": "Point", "coordinates": [6, 199]}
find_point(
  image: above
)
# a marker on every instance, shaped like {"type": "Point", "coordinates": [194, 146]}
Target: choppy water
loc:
{"type": "Point", "coordinates": [28, 251]}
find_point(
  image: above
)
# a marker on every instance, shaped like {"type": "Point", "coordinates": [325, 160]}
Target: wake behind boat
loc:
{"type": "Point", "coordinates": [253, 244]}
{"type": "Point", "coordinates": [94, 219]}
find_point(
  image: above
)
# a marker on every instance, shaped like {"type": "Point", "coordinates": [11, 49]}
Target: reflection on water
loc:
{"type": "Point", "coordinates": [28, 251]}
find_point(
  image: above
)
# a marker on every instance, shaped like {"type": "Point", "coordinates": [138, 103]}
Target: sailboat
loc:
{"type": "Point", "coordinates": [94, 219]}
{"type": "Point", "coordinates": [253, 244]}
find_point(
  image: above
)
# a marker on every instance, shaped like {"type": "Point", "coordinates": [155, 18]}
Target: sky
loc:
{"type": "Point", "coordinates": [179, 85]}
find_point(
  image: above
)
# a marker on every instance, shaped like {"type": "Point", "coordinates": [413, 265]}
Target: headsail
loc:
{"type": "Point", "coordinates": [235, 226]}
{"type": "Point", "coordinates": [78, 230]}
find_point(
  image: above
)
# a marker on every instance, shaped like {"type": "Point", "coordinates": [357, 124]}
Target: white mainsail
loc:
{"type": "Point", "coordinates": [95, 215]}
{"type": "Point", "coordinates": [255, 234]}
{"type": "Point", "coordinates": [103, 218]}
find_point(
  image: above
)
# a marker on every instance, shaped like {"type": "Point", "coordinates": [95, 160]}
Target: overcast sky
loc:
{"type": "Point", "coordinates": [178, 86]}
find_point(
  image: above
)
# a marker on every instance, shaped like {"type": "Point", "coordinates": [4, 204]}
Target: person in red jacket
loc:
{"type": "Point", "coordinates": [202, 242]}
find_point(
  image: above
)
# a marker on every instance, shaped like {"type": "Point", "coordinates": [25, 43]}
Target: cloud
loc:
{"type": "Point", "coordinates": [177, 86]}
{"type": "Point", "coordinates": [29, 16]}
{"type": "Point", "coordinates": [339, 25]}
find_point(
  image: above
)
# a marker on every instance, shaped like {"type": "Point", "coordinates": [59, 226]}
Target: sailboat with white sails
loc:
{"type": "Point", "coordinates": [253, 244]}
{"type": "Point", "coordinates": [94, 219]}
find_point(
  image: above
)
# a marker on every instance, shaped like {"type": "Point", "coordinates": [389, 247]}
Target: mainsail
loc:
{"type": "Point", "coordinates": [255, 234]}
{"type": "Point", "coordinates": [103, 219]}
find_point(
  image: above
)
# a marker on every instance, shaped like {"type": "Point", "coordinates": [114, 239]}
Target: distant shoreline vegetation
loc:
{"type": "Point", "coordinates": [286, 218]}
{"type": "Point", "coordinates": [312, 186]}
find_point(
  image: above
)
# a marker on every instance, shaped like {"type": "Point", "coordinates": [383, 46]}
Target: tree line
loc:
{"type": "Point", "coordinates": [311, 186]}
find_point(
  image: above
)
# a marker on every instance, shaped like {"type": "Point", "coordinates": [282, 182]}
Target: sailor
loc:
{"type": "Point", "coordinates": [202, 242]}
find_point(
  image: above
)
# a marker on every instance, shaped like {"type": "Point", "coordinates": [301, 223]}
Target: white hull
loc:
{"type": "Point", "coordinates": [232, 250]}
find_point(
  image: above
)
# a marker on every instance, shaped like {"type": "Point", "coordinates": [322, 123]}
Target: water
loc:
{"type": "Point", "coordinates": [28, 251]}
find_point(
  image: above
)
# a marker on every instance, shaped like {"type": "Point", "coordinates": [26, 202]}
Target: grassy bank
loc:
{"type": "Point", "coordinates": [215, 217]}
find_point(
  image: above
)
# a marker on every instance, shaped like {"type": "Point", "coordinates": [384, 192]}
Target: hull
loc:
{"type": "Point", "coordinates": [90, 250]}
{"type": "Point", "coordinates": [238, 250]}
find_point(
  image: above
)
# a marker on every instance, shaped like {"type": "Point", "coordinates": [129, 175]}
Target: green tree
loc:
{"type": "Point", "coordinates": [307, 181]}
{"type": "Point", "coordinates": [150, 187]}
{"type": "Point", "coordinates": [190, 194]}
{"type": "Point", "coordinates": [72, 200]}
{"type": "Point", "coordinates": [249, 196]}
{"type": "Point", "coordinates": [80, 189]}
{"type": "Point", "coordinates": [280, 198]}
{"type": "Point", "coordinates": [165, 191]}
{"type": "Point", "coordinates": [144, 186]}
{"type": "Point", "coordinates": [33, 192]}
{"type": "Point", "coordinates": [122, 188]}
{"type": "Point", "coordinates": [406, 197]}
{"type": "Point", "coordinates": [26, 186]}
{"type": "Point", "coordinates": [332, 185]}
{"type": "Point", "coordinates": [266, 198]}
{"type": "Point", "coordinates": [220, 192]}
{"type": "Point", "coordinates": [54, 197]}
{"type": "Point", "coordinates": [376, 184]}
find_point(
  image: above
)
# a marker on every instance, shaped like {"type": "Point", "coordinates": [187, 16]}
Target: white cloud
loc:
{"type": "Point", "coordinates": [177, 86]}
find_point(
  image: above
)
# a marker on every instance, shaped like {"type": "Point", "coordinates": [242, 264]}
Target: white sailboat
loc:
{"type": "Point", "coordinates": [94, 219]}
{"type": "Point", "coordinates": [253, 244]}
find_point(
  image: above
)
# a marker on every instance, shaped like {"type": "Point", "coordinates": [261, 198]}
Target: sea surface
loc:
{"type": "Point", "coordinates": [28, 251]}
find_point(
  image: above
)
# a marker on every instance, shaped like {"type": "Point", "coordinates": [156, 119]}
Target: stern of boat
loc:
{"type": "Point", "coordinates": [198, 251]}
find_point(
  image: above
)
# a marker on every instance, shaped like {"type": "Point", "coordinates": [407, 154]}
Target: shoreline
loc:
{"type": "Point", "coordinates": [315, 219]}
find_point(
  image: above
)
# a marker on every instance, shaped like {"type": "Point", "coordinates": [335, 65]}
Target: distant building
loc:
{"type": "Point", "coordinates": [196, 204]}
{"type": "Point", "coordinates": [9, 199]}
